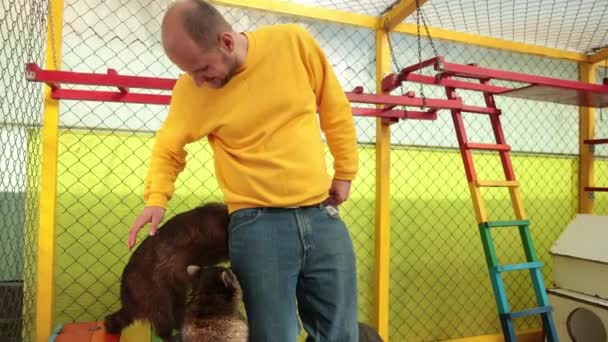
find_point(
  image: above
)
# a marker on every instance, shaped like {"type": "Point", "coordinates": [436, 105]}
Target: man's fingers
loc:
{"type": "Point", "coordinates": [137, 226]}
{"type": "Point", "coordinates": [154, 224]}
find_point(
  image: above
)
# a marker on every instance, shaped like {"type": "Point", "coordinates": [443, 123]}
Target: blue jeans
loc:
{"type": "Point", "coordinates": [280, 255]}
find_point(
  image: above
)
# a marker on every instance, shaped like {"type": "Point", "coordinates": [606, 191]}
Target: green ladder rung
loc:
{"type": "Point", "coordinates": [499, 224]}
{"type": "Point", "coordinates": [529, 312]}
{"type": "Point", "coordinates": [517, 267]}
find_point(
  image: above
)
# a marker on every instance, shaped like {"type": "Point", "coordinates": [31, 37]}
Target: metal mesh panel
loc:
{"type": "Point", "coordinates": [104, 148]}
{"type": "Point", "coordinates": [569, 25]}
{"type": "Point", "coordinates": [22, 38]}
{"type": "Point", "coordinates": [369, 7]}
{"type": "Point", "coordinates": [440, 283]}
{"type": "Point", "coordinates": [601, 151]}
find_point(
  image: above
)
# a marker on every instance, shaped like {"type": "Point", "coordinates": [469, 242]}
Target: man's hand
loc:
{"type": "Point", "coordinates": [153, 215]}
{"type": "Point", "coordinates": [338, 192]}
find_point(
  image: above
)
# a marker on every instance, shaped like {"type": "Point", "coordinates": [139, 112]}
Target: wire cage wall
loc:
{"type": "Point", "coordinates": [438, 287]}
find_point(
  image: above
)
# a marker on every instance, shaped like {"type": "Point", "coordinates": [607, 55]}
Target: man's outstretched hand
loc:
{"type": "Point", "coordinates": [152, 215]}
{"type": "Point", "coordinates": [338, 192]}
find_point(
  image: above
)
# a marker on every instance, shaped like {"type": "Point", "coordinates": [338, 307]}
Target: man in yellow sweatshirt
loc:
{"type": "Point", "coordinates": [254, 96]}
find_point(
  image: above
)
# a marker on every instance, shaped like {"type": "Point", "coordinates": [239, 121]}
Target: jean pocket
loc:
{"type": "Point", "coordinates": [330, 211]}
{"type": "Point", "coordinates": [243, 217]}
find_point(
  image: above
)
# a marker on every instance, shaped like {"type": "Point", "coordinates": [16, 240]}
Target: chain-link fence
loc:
{"type": "Point", "coordinates": [22, 39]}
{"type": "Point", "coordinates": [439, 286]}
{"type": "Point", "coordinates": [104, 148]}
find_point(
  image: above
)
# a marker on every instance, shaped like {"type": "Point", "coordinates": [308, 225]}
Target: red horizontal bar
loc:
{"type": "Point", "coordinates": [417, 115]}
{"type": "Point", "coordinates": [595, 141]}
{"type": "Point", "coordinates": [487, 147]}
{"type": "Point", "coordinates": [421, 65]}
{"type": "Point", "coordinates": [378, 113]}
{"type": "Point", "coordinates": [486, 73]}
{"type": "Point", "coordinates": [109, 96]}
{"type": "Point", "coordinates": [393, 81]}
{"type": "Point", "coordinates": [111, 79]}
{"type": "Point", "coordinates": [597, 189]}
{"type": "Point", "coordinates": [480, 110]}
{"type": "Point", "coordinates": [404, 101]}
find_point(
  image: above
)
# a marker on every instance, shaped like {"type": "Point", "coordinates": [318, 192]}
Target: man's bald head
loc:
{"type": "Point", "coordinates": [202, 22]}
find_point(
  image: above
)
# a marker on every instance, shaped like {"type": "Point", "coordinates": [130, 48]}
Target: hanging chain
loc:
{"type": "Point", "coordinates": [419, 43]}
{"type": "Point", "coordinates": [603, 79]}
{"type": "Point", "coordinates": [52, 30]}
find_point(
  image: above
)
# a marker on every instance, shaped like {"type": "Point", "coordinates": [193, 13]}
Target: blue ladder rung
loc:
{"type": "Point", "coordinates": [516, 267]}
{"type": "Point", "coordinates": [514, 223]}
{"type": "Point", "coordinates": [529, 312]}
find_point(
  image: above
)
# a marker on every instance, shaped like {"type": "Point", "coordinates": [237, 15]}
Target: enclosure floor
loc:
{"type": "Point", "coordinates": [94, 332]}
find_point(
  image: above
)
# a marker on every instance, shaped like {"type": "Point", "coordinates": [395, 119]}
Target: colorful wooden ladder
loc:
{"type": "Point", "coordinates": [485, 226]}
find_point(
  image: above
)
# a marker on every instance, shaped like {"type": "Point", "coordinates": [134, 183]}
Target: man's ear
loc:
{"type": "Point", "coordinates": [226, 42]}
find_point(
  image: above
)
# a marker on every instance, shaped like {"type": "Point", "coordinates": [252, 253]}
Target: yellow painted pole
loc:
{"type": "Point", "coordinates": [599, 56]}
{"type": "Point", "coordinates": [586, 131]}
{"type": "Point", "coordinates": [50, 137]}
{"type": "Point", "coordinates": [367, 21]}
{"type": "Point", "coordinates": [399, 12]}
{"type": "Point", "coordinates": [383, 198]}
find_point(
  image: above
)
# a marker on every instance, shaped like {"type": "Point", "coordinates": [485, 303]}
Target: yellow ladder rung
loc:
{"type": "Point", "coordinates": [495, 184]}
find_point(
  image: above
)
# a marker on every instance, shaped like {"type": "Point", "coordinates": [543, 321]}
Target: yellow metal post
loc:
{"type": "Point", "coordinates": [399, 12]}
{"type": "Point", "coordinates": [383, 198]}
{"type": "Point", "coordinates": [372, 22]}
{"type": "Point", "coordinates": [304, 11]}
{"type": "Point", "coordinates": [586, 131]}
{"type": "Point", "coordinates": [599, 56]}
{"type": "Point", "coordinates": [50, 137]}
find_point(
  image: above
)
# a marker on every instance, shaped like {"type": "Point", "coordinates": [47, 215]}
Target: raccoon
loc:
{"type": "Point", "coordinates": [155, 280]}
{"type": "Point", "coordinates": [212, 307]}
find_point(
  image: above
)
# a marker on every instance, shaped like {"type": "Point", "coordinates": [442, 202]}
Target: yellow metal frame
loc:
{"type": "Point", "coordinates": [50, 140]}
{"type": "Point", "coordinates": [383, 198]}
{"type": "Point", "coordinates": [392, 20]}
{"type": "Point", "coordinates": [373, 22]}
{"type": "Point", "coordinates": [398, 13]}
{"type": "Point", "coordinates": [599, 56]}
{"type": "Point", "coordinates": [586, 131]}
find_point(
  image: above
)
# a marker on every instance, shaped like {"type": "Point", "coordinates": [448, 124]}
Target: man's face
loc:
{"type": "Point", "coordinates": [214, 66]}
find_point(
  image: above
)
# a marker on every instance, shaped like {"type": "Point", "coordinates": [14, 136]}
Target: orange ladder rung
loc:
{"type": "Point", "coordinates": [497, 184]}
{"type": "Point", "coordinates": [487, 147]}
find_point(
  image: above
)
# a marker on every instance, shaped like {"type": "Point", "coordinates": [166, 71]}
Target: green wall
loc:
{"type": "Point", "coordinates": [439, 282]}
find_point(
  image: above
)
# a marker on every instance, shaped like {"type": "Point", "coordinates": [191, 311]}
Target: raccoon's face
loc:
{"type": "Point", "coordinates": [213, 289]}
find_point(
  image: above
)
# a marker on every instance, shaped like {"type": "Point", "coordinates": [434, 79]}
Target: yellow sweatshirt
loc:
{"type": "Point", "coordinates": [262, 126]}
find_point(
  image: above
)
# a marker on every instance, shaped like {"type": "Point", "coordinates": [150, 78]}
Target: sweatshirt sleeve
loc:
{"type": "Point", "coordinates": [335, 111]}
{"type": "Point", "coordinates": [168, 158]}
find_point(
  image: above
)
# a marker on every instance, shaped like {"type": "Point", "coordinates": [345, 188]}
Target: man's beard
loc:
{"type": "Point", "coordinates": [231, 70]}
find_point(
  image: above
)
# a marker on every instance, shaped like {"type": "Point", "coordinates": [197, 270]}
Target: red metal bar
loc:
{"type": "Point", "coordinates": [595, 188]}
{"type": "Point", "coordinates": [461, 70]}
{"type": "Point", "coordinates": [432, 61]}
{"type": "Point", "coordinates": [111, 79]}
{"type": "Point", "coordinates": [378, 113]}
{"type": "Point", "coordinates": [417, 115]}
{"type": "Point", "coordinates": [393, 81]}
{"type": "Point", "coordinates": [480, 110]}
{"type": "Point", "coordinates": [488, 147]}
{"type": "Point", "coordinates": [595, 141]}
{"type": "Point", "coordinates": [403, 101]}
{"type": "Point", "coordinates": [108, 96]}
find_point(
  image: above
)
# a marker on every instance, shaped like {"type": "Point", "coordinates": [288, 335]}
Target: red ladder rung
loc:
{"type": "Point", "coordinates": [596, 188]}
{"type": "Point", "coordinates": [487, 147]}
{"type": "Point", "coordinates": [595, 141]}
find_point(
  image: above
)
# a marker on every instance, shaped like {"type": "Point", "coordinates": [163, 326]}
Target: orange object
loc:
{"type": "Point", "coordinates": [85, 332]}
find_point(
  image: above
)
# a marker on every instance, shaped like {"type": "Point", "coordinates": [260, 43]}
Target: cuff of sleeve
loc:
{"type": "Point", "coordinates": [348, 176]}
{"type": "Point", "coordinates": [157, 200]}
